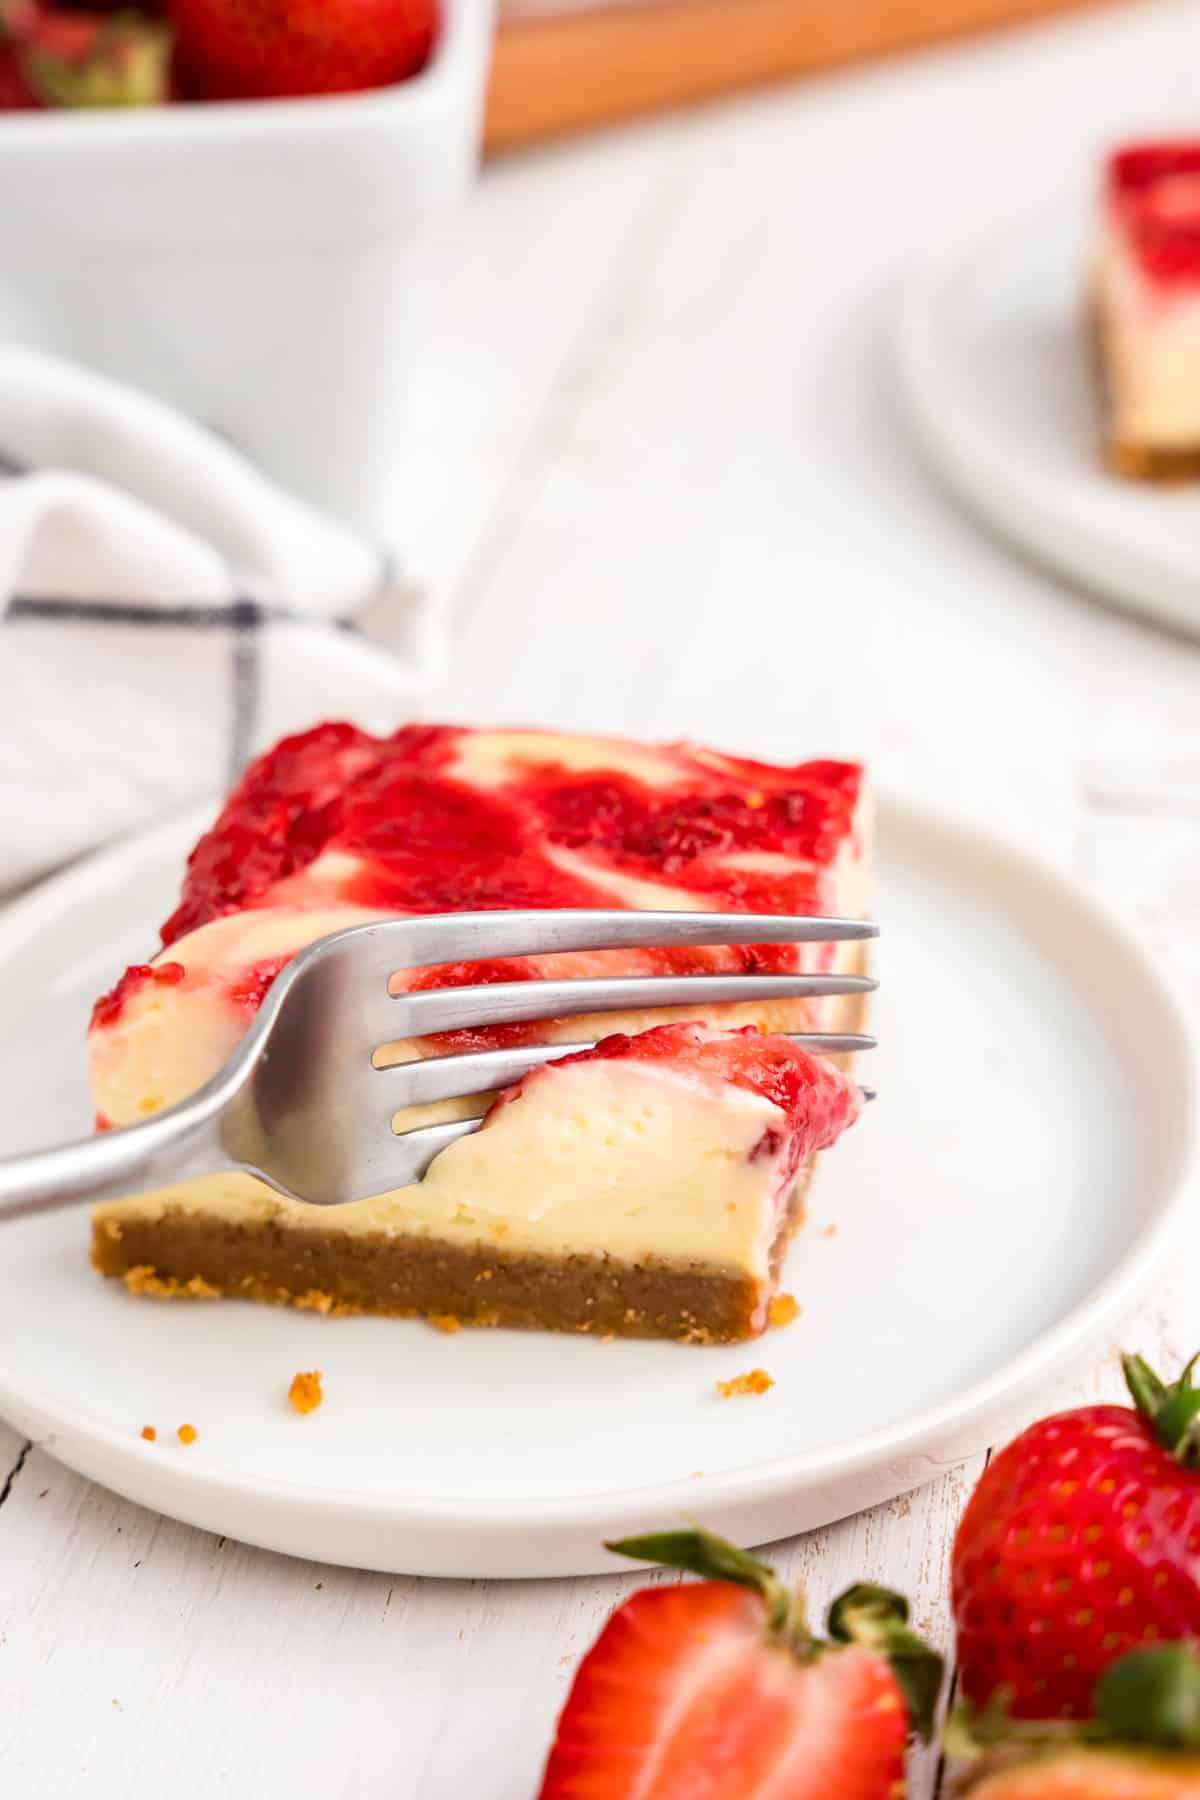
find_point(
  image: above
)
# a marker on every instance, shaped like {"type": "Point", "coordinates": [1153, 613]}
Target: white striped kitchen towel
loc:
{"type": "Point", "coordinates": [165, 611]}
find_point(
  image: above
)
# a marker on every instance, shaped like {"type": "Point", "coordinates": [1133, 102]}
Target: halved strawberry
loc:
{"type": "Point", "coordinates": [717, 1691]}
{"type": "Point", "coordinates": [1140, 1741]}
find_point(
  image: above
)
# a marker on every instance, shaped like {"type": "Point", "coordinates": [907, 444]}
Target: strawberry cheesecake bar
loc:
{"type": "Point", "coordinates": [647, 1186]}
{"type": "Point", "coordinates": [1147, 309]}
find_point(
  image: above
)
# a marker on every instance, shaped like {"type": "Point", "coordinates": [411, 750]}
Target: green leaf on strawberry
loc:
{"type": "Point", "coordinates": [1152, 1697]}
{"type": "Point", "coordinates": [878, 1618]}
{"type": "Point", "coordinates": [1173, 1410]}
{"type": "Point", "coordinates": [715, 1559]}
{"type": "Point", "coordinates": [701, 1553]}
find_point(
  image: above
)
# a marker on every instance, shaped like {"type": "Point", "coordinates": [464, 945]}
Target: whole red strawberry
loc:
{"type": "Point", "coordinates": [717, 1689]}
{"type": "Point", "coordinates": [1081, 1541]}
{"type": "Point", "coordinates": [246, 49]}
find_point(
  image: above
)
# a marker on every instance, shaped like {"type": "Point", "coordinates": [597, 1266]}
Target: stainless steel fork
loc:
{"type": "Point", "coordinates": [301, 1104]}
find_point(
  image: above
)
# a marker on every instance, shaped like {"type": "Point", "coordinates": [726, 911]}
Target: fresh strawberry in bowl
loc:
{"type": "Point", "coordinates": [1080, 1542]}
{"type": "Point", "coordinates": [1139, 1741]}
{"type": "Point", "coordinates": [719, 1689]}
{"type": "Point", "coordinates": [74, 56]}
{"type": "Point", "coordinates": [252, 260]}
{"type": "Point", "coordinates": [248, 49]}
{"type": "Point", "coordinates": [223, 49]}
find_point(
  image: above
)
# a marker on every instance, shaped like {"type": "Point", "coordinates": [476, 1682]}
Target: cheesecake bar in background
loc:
{"type": "Point", "coordinates": [1146, 309]}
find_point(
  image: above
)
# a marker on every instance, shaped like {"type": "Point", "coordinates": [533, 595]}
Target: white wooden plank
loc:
{"type": "Point", "coordinates": [429, 1688]}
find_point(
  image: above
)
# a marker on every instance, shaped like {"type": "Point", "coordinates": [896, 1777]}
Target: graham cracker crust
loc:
{"type": "Point", "coordinates": [178, 1254]}
{"type": "Point", "coordinates": [1141, 462]}
{"type": "Point", "coordinates": [185, 1255]}
{"type": "Point", "coordinates": [1164, 467]}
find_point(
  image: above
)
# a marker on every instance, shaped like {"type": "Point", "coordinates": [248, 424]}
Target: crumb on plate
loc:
{"type": "Point", "coordinates": [756, 1382]}
{"type": "Point", "coordinates": [444, 1321]}
{"type": "Point", "coordinates": [186, 1434]}
{"type": "Point", "coordinates": [782, 1309]}
{"type": "Point", "coordinates": [829, 1231]}
{"type": "Point", "coordinates": [149, 1433]}
{"type": "Point", "coordinates": [305, 1392]}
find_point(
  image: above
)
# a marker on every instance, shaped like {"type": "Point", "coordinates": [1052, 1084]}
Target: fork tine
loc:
{"type": "Point", "coordinates": [411, 1152]}
{"type": "Point", "coordinates": [509, 1002]}
{"type": "Point", "coordinates": [425, 941]}
{"type": "Point", "coordinates": [483, 1071]}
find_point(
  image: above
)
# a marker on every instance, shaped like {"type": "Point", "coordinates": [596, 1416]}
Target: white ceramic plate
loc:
{"type": "Point", "coordinates": [1001, 1205]}
{"type": "Point", "coordinates": [999, 379]}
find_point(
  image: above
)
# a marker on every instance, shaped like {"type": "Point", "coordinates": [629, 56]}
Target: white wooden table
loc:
{"type": "Point", "coordinates": [660, 474]}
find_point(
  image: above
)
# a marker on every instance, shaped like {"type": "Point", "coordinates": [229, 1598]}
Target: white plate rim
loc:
{"type": "Point", "coordinates": [936, 1436]}
{"type": "Point", "coordinates": [992, 478]}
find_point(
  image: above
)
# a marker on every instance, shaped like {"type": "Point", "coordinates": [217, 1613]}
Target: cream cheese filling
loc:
{"type": "Point", "coordinates": [640, 1159]}
{"type": "Point", "coordinates": [1151, 345]}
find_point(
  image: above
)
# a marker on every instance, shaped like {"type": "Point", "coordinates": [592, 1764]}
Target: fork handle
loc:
{"type": "Point", "coordinates": [175, 1144]}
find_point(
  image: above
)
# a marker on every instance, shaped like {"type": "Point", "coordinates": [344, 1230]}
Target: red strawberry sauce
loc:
{"type": "Point", "coordinates": [1154, 193]}
{"type": "Point", "coordinates": [817, 1101]}
{"type": "Point", "coordinates": [422, 841]}
{"type": "Point", "coordinates": [110, 1006]}
{"type": "Point", "coordinates": [434, 844]}
{"type": "Point", "coordinates": [251, 985]}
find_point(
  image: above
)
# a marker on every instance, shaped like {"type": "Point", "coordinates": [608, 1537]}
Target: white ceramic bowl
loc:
{"type": "Point", "coordinates": [251, 262]}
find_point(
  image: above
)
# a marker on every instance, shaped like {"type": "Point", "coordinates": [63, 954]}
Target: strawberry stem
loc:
{"type": "Point", "coordinates": [1173, 1409]}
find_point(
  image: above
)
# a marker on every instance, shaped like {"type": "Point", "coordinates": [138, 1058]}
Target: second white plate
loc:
{"type": "Point", "coordinates": [997, 373]}
{"type": "Point", "coordinates": [999, 1208]}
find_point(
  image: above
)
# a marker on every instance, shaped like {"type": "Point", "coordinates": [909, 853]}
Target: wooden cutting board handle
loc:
{"type": "Point", "coordinates": [560, 74]}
